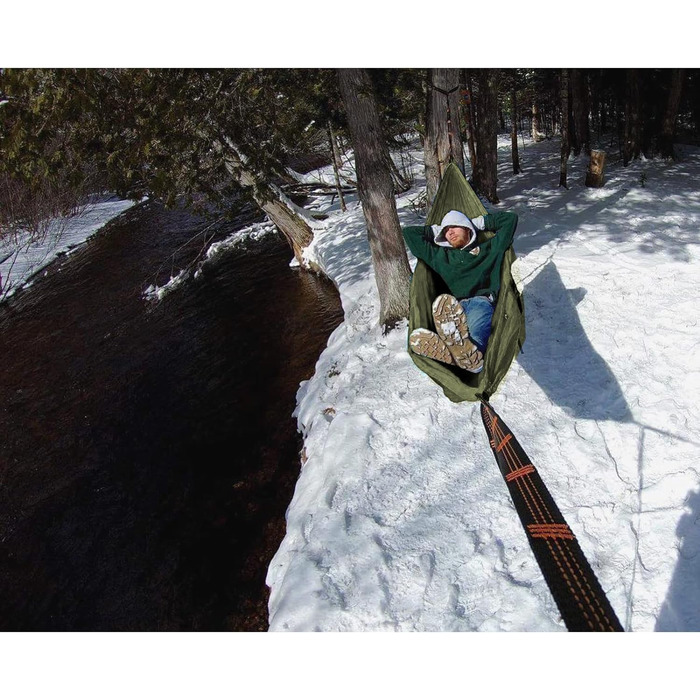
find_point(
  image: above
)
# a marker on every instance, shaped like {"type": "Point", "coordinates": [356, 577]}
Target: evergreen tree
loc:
{"type": "Point", "coordinates": [565, 148]}
{"type": "Point", "coordinates": [485, 175]}
{"type": "Point", "coordinates": [375, 187]}
{"type": "Point", "coordinates": [633, 117]}
{"type": "Point", "coordinates": [176, 135]}
{"type": "Point", "coordinates": [668, 126]}
{"type": "Point", "coordinates": [443, 138]}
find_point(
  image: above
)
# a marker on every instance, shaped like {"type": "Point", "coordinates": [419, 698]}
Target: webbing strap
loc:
{"type": "Point", "coordinates": [445, 92]}
{"type": "Point", "coordinates": [579, 596]}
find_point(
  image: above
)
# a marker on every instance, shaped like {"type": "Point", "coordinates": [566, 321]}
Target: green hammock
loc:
{"type": "Point", "coordinates": [573, 583]}
{"type": "Point", "coordinates": [508, 324]}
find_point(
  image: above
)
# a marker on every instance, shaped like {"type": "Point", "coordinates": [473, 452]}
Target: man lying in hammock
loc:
{"type": "Point", "coordinates": [472, 273]}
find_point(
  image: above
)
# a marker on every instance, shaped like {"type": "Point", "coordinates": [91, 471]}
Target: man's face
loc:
{"type": "Point", "coordinates": [457, 236]}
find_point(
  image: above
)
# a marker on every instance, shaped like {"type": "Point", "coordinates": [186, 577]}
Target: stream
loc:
{"type": "Point", "coordinates": [148, 451]}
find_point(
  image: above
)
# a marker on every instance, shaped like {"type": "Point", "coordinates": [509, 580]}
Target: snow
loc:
{"type": "Point", "coordinates": [253, 232]}
{"type": "Point", "coordinates": [22, 259]}
{"type": "Point", "coordinates": [400, 519]}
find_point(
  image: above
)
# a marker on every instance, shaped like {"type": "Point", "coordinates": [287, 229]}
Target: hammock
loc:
{"type": "Point", "coordinates": [578, 594]}
{"type": "Point", "coordinates": [508, 324]}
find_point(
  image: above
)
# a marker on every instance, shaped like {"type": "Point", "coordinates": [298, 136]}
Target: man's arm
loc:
{"type": "Point", "coordinates": [503, 223]}
{"type": "Point", "coordinates": [416, 238]}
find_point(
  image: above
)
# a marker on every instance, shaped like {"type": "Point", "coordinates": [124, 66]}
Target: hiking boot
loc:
{"type": "Point", "coordinates": [451, 326]}
{"type": "Point", "coordinates": [429, 344]}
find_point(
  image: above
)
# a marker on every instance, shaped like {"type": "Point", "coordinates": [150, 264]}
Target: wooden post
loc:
{"type": "Point", "coordinates": [596, 166]}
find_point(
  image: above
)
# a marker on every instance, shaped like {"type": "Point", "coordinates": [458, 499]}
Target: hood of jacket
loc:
{"type": "Point", "coordinates": [452, 218]}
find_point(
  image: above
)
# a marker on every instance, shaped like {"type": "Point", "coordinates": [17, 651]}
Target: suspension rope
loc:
{"type": "Point", "coordinates": [578, 594]}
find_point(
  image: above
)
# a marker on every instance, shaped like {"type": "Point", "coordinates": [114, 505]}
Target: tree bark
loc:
{"type": "Point", "coordinates": [375, 188]}
{"type": "Point", "coordinates": [596, 168]}
{"type": "Point", "coordinates": [580, 137]}
{"type": "Point", "coordinates": [430, 156]}
{"type": "Point", "coordinates": [469, 118]}
{"type": "Point", "coordinates": [633, 117]}
{"type": "Point", "coordinates": [443, 139]}
{"type": "Point", "coordinates": [486, 173]}
{"type": "Point", "coordinates": [401, 184]}
{"type": "Point", "coordinates": [337, 164]}
{"type": "Point", "coordinates": [564, 96]}
{"type": "Point", "coordinates": [283, 213]}
{"type": "Point", "coordinates": [514, 131]}
{"type": "Point", "coordinates": [536, 123]}
{"type": "Point", "coordinates": [668, 124]}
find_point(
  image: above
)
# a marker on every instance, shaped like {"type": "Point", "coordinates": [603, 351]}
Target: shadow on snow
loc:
{"type": "Point", "coordinates": [561, 359]}
{"type": "Point", "coordinates": [559, 356]}
{"type": "Point", "coordinates": [680, 611]}
{"type": "Point", "coordinates": [661, 216]}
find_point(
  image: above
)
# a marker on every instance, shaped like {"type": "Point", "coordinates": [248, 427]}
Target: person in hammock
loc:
{"type": "Point", "coordinates": [472, 273]}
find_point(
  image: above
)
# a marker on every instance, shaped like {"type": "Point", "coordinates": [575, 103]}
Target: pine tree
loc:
{"type": "Point", "coordinates": [485, 175]}
{"type": "Point", "coordinates": [633, 118]}
{"type": "Point", "coordinates": [443, 139]}
{"type": "Point", "coordinates": [375, 187]}
{"type": "Point", "coordinates": [579, 134]}
{"type": "Point", "coordinates": [565, 147]}
{"type": "Point", "coordinates": [176, 135]}
{"type": "Point", "coordinates": [668, 125]}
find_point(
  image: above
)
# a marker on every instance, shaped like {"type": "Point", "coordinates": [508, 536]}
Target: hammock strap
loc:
{"type": "Point", "coordinates": [579, 596]}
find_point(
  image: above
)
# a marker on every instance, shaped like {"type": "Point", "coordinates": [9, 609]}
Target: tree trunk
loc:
{"type": "Point", "coordinates": [564, 96]}
{"type": "Point", "coordinates": [486, 172]}
{"type": "Point", "coordinates": [633, 117]}
{"type": "Point", "coordinates": [596, 168]}
{"type": "Point", "coordinates": [401, 184]}
{"type": "Point", "coordinates": [443, 140]}
{"type": "Point", "coordinates": [430, 156]}
{"type": "Point", "coordinates": [668, 125]}
{"type": "Point", "coordinates": [596, 104]}
{"type": "Point", "coordinates": [469, 118]}
{"type": "Point", "coordinates": [536, 123]}
{"type": "Point", "coordinates": [580, 136]}
{"type": "Point", "coordinates": [283, 213]}
{"type": "Point", "coordinates": [337, 164]}
{"type": "Point", "coordinates": [375, 188]}
{"type": "Point", "coordinates": [514, 131]}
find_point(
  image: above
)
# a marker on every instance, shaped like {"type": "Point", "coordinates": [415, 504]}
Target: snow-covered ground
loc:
{"type": "Point", "coordinates": [400, 519]}
{"type": "Point", "coordinates": [22, 259]}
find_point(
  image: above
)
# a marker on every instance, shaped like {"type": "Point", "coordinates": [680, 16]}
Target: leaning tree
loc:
{"type": "Point", "coordinates": [175, 135]}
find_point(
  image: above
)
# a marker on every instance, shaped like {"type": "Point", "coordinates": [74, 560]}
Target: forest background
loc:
{"type": "Point", "coordinates": [216, 139]}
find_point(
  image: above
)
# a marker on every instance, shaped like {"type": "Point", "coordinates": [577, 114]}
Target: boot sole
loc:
{"type": "Point", "coordinates": [429, 344]}
{"type": "Point", "coordinates": [452, 328]}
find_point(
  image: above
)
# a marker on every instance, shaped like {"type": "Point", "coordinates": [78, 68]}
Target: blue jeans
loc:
{"type": "Point", "coordinates": [479, 311]}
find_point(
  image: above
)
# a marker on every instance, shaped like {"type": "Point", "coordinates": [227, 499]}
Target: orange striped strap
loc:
{"type": "Point", "coordinates": [527, 469]}
{"type": "Point", "coordinates": [551, 531]}
{"type": "Point", "coordinates": [504, 442]}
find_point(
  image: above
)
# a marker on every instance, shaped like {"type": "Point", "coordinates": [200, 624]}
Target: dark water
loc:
{"type": "Point", "coordinates": [147, 453]}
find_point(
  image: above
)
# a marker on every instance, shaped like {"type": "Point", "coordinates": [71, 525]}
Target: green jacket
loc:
{"type": "Point", "coordinates": [467, 274]}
